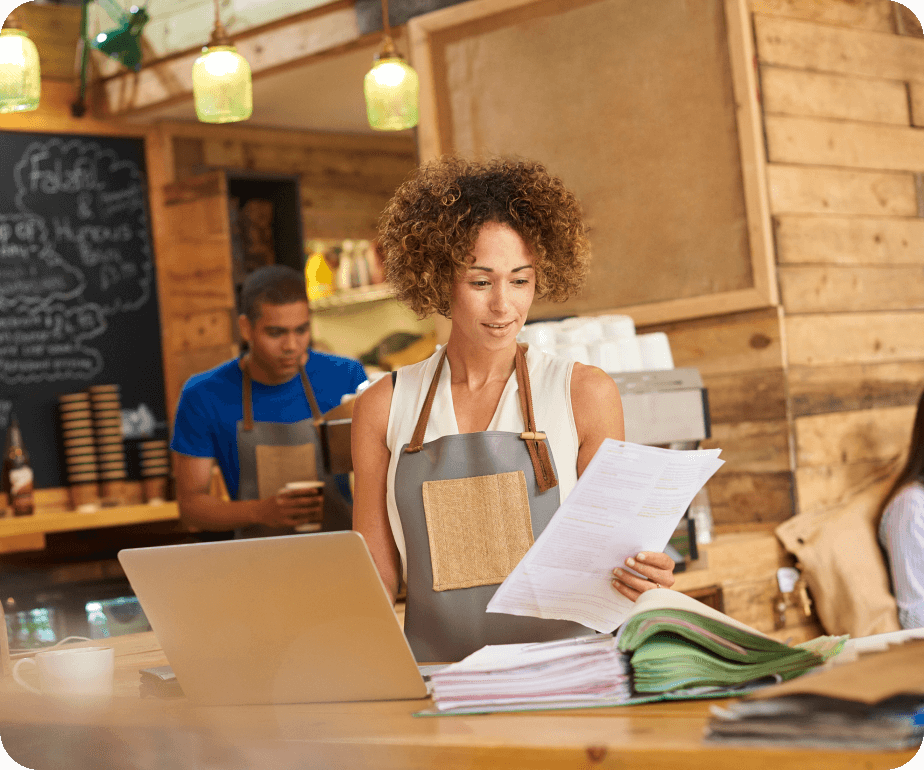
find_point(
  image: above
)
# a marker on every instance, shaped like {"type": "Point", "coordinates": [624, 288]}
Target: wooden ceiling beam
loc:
{"type": "Point", "coordinates": [294, 41]}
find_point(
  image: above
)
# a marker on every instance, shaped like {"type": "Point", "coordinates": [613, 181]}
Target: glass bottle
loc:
{"type": "Point", "coordinates": [17, 477]}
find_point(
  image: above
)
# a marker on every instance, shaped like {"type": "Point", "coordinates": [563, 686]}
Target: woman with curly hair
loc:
{"type": "Point", "coordinates": [461, 460]}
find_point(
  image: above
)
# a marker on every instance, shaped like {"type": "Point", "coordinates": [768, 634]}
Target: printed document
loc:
{"type": "Point", "coordinates": [629, 499]}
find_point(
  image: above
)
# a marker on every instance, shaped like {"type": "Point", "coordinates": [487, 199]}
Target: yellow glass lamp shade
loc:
{"type": "Point", "coordinates": [391, 89]}
{"type": "Point", "coordinates": [222, 86]}
{"type": "Point", "coordinates": [20, 77]}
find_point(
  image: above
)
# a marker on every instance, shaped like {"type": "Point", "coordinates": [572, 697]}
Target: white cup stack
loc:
{"type": "Point", "coordinates": [606, 341]}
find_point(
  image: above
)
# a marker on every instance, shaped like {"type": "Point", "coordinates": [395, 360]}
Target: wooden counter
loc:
{"type": "Point", "coordinates": [139, 732]}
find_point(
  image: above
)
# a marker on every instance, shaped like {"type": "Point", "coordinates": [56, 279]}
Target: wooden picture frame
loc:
{"type": "Point", "coordinates": [485, 38]}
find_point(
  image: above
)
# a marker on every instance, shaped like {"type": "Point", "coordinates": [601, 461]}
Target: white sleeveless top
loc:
{"type": "Point", "coordinates": [550, 382]}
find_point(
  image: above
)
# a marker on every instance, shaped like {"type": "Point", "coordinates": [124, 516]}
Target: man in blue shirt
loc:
{"type": "Point", "coordinates": [255, 415]}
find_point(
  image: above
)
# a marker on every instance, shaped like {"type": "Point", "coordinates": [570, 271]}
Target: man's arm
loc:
{"type": "Point", "coordinates": [199, 509]}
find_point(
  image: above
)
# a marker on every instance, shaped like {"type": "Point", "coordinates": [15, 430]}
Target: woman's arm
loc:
{"type": "Point", "coordinates": [598, 415]}
{"type": "Point", "coordinates": [370, 471]}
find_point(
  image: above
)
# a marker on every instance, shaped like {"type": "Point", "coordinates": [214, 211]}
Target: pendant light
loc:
{"type": "Point", "coordinates": [221, 80]}
{"type": "Point", "coordinates": [391, 87]}
{"type": "Point", "coordinates": [20, 76]}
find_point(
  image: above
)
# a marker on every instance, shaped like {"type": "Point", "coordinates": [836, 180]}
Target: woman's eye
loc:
{"type": "Point", "coordinates": [480, 283]}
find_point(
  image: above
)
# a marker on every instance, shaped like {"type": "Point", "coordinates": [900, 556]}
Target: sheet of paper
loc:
{"type": "Point", "coordinates": [629, 499]}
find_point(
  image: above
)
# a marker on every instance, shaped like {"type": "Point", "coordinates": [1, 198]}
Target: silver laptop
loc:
{"type": "Point", "coordinates": [297, 619]}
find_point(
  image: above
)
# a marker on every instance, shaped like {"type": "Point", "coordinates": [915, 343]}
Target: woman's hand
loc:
{"type": "Point", "coordinates": [658, 568]}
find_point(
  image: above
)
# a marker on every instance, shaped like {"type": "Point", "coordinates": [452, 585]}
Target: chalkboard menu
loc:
{"type": "Point", "coordinates": [78, 301]}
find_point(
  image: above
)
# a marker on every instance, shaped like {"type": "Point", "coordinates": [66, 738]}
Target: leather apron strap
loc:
{"type": "Point", "coordinates": [247, 396]}
{"type": "Point", "coordinates": [535, 444]}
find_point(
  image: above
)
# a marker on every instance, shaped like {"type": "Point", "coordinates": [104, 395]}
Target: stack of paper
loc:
{"type": "Point", "coordinates": [571, 673]}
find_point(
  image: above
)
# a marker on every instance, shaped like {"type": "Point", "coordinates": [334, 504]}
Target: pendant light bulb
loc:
{"type": "Point", "coordinates": [391, 87]}
{"type": "Point", "coordinates": [20, 75]}
{"type": "Point", "coordinates": [222, 84]}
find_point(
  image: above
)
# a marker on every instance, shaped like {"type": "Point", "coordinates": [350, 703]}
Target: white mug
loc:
{"type": "Point", "coordinates": [82, 676]}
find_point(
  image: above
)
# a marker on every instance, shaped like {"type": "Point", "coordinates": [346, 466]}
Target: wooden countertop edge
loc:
{"type": "Point", "coordinates": [71, 521]}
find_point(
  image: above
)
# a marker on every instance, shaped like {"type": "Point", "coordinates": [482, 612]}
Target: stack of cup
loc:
{"type": "Point", "coordinates": [155, 470]}
{"type": "Point", "coordinates": [80, 450]}
{"type": "Point", "coordinates": [110, 448]}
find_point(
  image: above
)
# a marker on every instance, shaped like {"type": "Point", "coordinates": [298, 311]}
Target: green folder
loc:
{"type": "Point", "coordinates": [678, 643]}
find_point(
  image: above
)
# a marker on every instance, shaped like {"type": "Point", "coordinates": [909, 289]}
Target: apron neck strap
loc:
{"type": "Point", "coordinates": [535, 444]}
{"type": "Point", "coordinates": [247, 396]}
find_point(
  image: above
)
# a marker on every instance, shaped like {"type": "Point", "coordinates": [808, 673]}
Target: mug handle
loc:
{"type": "Point", "coordinates": [19, 680]}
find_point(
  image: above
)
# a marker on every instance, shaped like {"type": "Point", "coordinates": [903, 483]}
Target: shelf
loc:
{"type": "Point", "coordinates": [117, 516]}
{"type": "Point", "coordinates": [352, 297]}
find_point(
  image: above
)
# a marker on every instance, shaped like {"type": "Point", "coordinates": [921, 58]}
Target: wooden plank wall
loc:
{"type": "Point", "coordinates": [346, 180]}
{"type": "Point", "coordinates": [812, 401]}
{"type": "Point", "coordinates": [846, 163]}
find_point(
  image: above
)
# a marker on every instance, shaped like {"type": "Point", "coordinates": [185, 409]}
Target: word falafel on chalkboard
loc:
{"type": "Point", "coordinates": [78, 302]}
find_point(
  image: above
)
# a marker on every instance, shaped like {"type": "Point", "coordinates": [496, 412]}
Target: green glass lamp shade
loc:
{"type": "Point", "coordinates": [222, 86]}
{"type": "Point", "coordinates": [124, 42]}
{"type": "Point", "coordinates": [391, 89]}
{"type": "Point", "coordinates": [20, 76]}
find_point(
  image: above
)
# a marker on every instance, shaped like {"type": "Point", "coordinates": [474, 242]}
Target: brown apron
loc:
{"type": "Point", "coordinates": [470, 505]}
{"type": "Point", "coordinates": [272, 454]}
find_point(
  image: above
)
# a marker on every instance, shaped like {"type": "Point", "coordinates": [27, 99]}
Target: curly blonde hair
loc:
{"type": "Point", "coordinates": [429, 228]}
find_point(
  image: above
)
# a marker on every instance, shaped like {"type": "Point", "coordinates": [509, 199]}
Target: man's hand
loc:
{"type": "Point", "coordinates": [292, 507]}
{"type": "Point", "coordinates": [658, 569]}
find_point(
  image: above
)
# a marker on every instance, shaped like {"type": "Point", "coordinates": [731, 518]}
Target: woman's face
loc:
{"type": "Point", "coordinates": [491, 300]}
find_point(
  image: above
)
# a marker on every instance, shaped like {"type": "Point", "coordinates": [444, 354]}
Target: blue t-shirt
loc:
{"type": "Point", "coordinates": [211, 406]}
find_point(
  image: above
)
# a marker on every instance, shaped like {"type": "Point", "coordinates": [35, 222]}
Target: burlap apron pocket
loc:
{"type": "Point", "coordinates": [479, 528]}
{"type": "Point", "coordinates": [278, 465]}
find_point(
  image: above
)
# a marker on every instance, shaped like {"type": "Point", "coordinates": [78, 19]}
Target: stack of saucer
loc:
{"type": "Point", "coordinates": [80, 450]}
{"type": "Point", "coordinates": [155, 468]}
{"type": "Point", "coordinates": [110, 448]}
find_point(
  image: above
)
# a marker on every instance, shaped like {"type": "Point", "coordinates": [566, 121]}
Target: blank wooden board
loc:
{"type": "Point", "coordinates": [633, 105]}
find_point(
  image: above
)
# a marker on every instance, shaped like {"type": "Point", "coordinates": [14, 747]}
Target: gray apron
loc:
{"type": "Point", "coordinates": [446, 624]}
{"type": "Point", "coordinates": [276, 453]}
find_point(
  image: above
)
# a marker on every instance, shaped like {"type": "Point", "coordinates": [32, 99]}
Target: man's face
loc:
{"type": "Point", "coordinates": [278, 340]}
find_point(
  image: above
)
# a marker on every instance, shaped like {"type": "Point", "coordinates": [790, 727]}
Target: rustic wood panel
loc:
{"type": "Point", "coordinates": [845, 338]}
{"type": "Point", "coordinates": [834, 288]}
{"type": "Point", "coordinates": [818, 390]}
{"type": "Point", "coordinates": [860, 14]}
{"type": "Point", "coordinates": [861, 485]}
{"type": "Point", "coordinates": [742, 342]}
{"type": "Point", "coordinates": [223, 153]}
{"type": "Point", "coordinates": [754, 604]}
{"type": "Point", "coordinates": [818, 95]}
{"type": "Point", "coordinates": [202, 330]}
{"type": "Point", "coordinates": [756, 447]}
{"type": "Point", "coordinates": [751, 498]}
{"type": "Point", "coordinates": [742, 396]}
{"type": "Point", "coordinates": [815, 190]}
{"type": "Point", "coordinates": [842, 438]}
{"type": "Point", "coordinates": [849, 241]}
{"type": "Point", "coordinates": [916, 97]}
{"type": "Point", "coordinates": [822, 48]}
{"type": "Point", "coordinates": [844, 144]}
{"type": "Point", "coordinates": [55, 30]}
{"type": "Point", "coordinates": [188, 156]}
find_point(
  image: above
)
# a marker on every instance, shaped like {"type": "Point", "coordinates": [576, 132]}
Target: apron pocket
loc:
{"type": "Point", "coordinates": [277, 465]}
{"type": "Point", "coordinates": [479, 528]}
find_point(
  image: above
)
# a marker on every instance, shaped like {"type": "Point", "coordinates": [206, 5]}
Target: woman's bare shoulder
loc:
{"type": "Point", "coordinates": [591, 385]}
{"type": "Point", "coordinates": [596, 404]}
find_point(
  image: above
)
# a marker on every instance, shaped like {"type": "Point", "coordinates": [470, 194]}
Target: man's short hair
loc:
{"type": "Point", "coordinates": [275, 284]}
